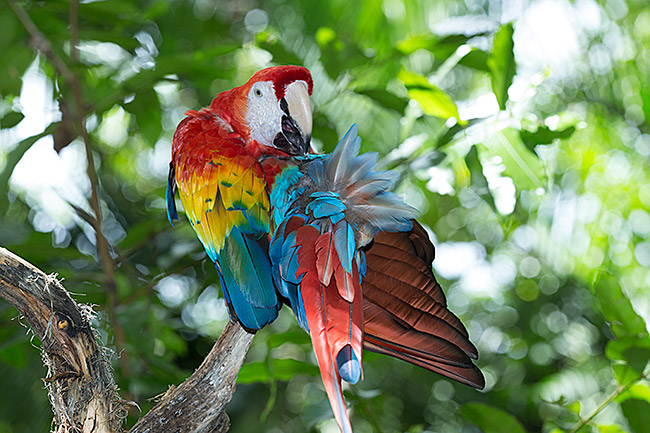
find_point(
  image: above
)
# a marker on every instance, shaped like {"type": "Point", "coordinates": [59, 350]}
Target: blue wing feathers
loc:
{"type": "Point", "coordinates": [345, 245]}
{"type": "Point", "coordinates": [247, 281]}
{"type": "Point", "coordinates": [171, 192]}
{"type": "Point", "coordinates": [325, 206]}
{"type": "Point", "coordinates": [283, 253]}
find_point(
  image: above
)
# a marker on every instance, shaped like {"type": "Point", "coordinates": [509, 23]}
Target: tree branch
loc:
{"type": "Point", "coordinates": [79, 380]}
{"type": "Point", "coordinates": [619, 390]}
{"type": "Point", "coordinates": [205, 393]}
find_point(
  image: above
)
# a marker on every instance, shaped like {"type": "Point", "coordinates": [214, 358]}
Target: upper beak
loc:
{"type": "Point", "coordinates": [297, 123]}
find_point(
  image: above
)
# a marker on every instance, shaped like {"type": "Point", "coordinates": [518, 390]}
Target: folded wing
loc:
{"type": "Point", "coordinates": [405, 310]}
{"type": "Point", "coordinates": [225, 198]}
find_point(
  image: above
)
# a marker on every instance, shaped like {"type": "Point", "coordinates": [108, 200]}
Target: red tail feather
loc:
{"type": "Point", "coordinates": [334, 323]}
{"type": "Point", "coordinates": [325, 253]}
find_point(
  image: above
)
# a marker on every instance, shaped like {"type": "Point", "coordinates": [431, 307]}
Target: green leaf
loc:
{"type": "Point", "coordinates": [10, 120]}
{"type": "Point", "coordinates": [610, 429]}
{"type": "Point", "coordinates": [635, 361]}
{"type": "Point", "coordinates": [441, 47]}
{"type": "Point", "coordinates": [255, 372]}
{"type": "Point", "coordinates": [637, 413]}
{"type": "Point", "coordinates": [491, 419]}
{"type": "Point", "coordinates": [574, 407]}
{"type": "Point", "coordinates": [449, 135]}
{"type": "Point", "coordinates": [619, 349]}
{"type": "Point", "coordinates": [476, 59]}
{"type": "Point", "coordinates": [501, 63]}
{"type": "Point", "coordinates": [544, 135]}
{"type": "Point", "coordinates": [280, 54]}
{"type": "Point", "coordinates": [639, 391]}
{"type": "Point", "coordinates": [385, 99]}
{"type": "Point", "coordinates": [411, 44]}
{"type": "Point", "coordinates": [617, 309]}
{"type": "Point", "coordinates": [434, 101]}
{"type": "Point", "coordinates": [17, 54]}
{"type": "Point", "coordinates": [295, 337]}
{"type": "Point", "coordinates": [283, 369]}
{"type": "Point", "coordinates": [142, 233]}
{"type": "Point", "coordinates": [325, 131]}
{"type": "Point", "coordinates": [624, 374]}
{"type": "Point", "coordinates": [637, 358]}
{"type": "Point", "coordinates": [148, 115]}
{"type": "Point", "coordinates": [478, 182]}
{"type": "Point", "coordinates": [522, 165]}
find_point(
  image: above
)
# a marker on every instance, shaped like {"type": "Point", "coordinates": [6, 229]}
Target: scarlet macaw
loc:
{"type": "Point", "coordinates": [248, 154]}
{"type": "Point", "coordinates": [350, 293]}
{"type": "Point", "coordinates": [221, 180]}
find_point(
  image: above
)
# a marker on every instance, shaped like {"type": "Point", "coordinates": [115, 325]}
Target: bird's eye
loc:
{"type": "Point", "coordinates": [258, 93]}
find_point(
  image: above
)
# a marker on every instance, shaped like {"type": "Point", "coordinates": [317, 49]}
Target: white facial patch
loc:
{"type": "Point", "coordinates": [264, 116]}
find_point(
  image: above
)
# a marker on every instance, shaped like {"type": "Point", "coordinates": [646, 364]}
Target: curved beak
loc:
{"type": "Point", "coordinates": [295, 136]}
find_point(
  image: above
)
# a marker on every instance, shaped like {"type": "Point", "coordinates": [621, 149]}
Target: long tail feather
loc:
{"type": "Point", "coordinates": [317, 302]}
{"type": "Point", "coordinates": [471, 375]}
{"type": "Point", "coordinates": [334, 321]}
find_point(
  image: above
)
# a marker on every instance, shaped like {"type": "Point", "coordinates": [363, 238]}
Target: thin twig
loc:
{"type": "Point", "coordinates": [42, 44]}
{"type": "Point", "coordinates": [619, 390]}
{"type": "Point", "coordinates": [74, 30]}
{"type": "Point", "coordinates": [102, 244]}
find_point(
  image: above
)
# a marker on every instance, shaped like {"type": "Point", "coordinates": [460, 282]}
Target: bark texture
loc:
{"type": "Point", "coordinates": [79, 380]}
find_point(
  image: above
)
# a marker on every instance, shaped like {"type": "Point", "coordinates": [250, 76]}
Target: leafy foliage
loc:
{"type": "Point", "coordinates": [526, 154]}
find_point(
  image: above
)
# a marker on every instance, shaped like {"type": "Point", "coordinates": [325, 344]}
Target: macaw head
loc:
{"type": "Point", "coordinates": [272, 110]}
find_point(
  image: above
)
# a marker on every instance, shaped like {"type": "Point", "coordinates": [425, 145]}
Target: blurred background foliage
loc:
{"type": "Point", "coordinates": [522, 132]}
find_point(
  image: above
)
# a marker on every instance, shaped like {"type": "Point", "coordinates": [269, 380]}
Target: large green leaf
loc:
{"type": "Point", "coordinates": [637, 413]}
{"type": "Point", "coordinates": [434, 101]}
{"type": "Point", "coordinates": [385, 99]}
{"type": "Point", "coordinates": [478, 182]}
{"type": "Point", "coordinates": [501, 63]}
{"type": "Point", "coordinates": [148, 115]}
{"type": "Point", "coordinates": [617, 309]}
{"type": "Point", "coordinates": [491, 419]}
{"type": "Point", "coordinates": [522, 165]}
{"type": "Point", "coordinates": [441, 46]}
{"type": "Point", "coordinates": [639, 391]}
{"type": "Point", "coordinates": [296, 337]}
{"type": "Point", "coordinates": [476, 59]}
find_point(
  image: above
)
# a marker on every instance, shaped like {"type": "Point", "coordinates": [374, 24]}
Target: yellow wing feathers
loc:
{"type": "Point", "coordinates": [226, 192]}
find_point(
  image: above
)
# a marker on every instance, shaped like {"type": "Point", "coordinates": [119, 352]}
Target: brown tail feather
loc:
{"type": "Point", "coordinates": [382, 325]}
{"type": "Point", "coordinates": [471, 375]}
{"type": "Point", "coordinates": [437, 322]}
{"type": "Point", "coordinates": [405, 309]}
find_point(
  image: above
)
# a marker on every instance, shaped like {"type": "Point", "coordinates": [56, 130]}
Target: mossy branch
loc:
{"type": "Point", "coordinates": [79, 379]}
